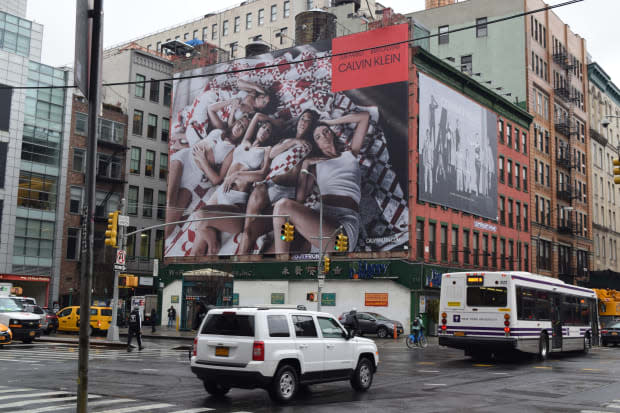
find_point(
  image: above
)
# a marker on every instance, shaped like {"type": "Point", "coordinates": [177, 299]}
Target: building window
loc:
{"type": "Point", "coordinates": [248, 21]}
{"type": "Point", "coordinates": [502, 214]}
{"type": "Point", "coordinates": [444, 242]}
{"type": "Point", "coordinates": [149, 163]}
{"type": "Point", "coordinates": [195, 34]}
{"type": "Point", "coordinates": [501, 130]}
{"type": "Point", "coordinates": [466, 64]}
{"type": "Point", "coordinates": [147, 210]}
{"type": "Point", "coordinates": [214, 32]}
{"type": "Point", "coordinates": [140, 86]}
{"type": "Point", "coordinates": [186, 36]}
{"type": "Point", "coordinates": [261, 17]}
{"type": "Point", "coordinates": [455, 245]}
{"type": "Point", "coordinates": [167, 94]}
{"type": "Point", "coordinates": [485, 250]}
{"type": "Point", "coordinates": [75, 201]}
{"type": "Point", "coordinates": [225, 28]}
{"type": "Point", "coordinates": [73, 243]}
{"type": "Point", "coordinates": [134, 163]}
{"type": "Point", "coordinates": [502, 251]}
{"type": "Point", "coordinates": [544, 255]}
{"type": "Point", "coordinates": [526, 257]}
{"type": "Point", "coordinates": [165, 129]}
{"type": "Point", "coordinates": [79, 160]}
{"type": "Point", "coordinates": [465, 246]}
{"type": "Point", "coordinates": [151, 131]}
{"type": "Point", "coordinates": [274, 12]}
{"type": "Point", "coordinates": [154, 91]}
{"type": "Point", "coordinates": [419, 237]}
{"type": "Point", "coordinates": [518, 215]}
{"type": "Point", "coordinates": [132, 200]}
{"type": "Point", "coordinates": [37, 191]}
{"type": "Point", "coordinates": [510, 221]}
{"type": "Point", "coordinates": [517, 176]}
{"type": "Point", "coordinates": [509, 172]}
{"type": "Point", "coordinates": [444, 37]}
{"type": "Point", "coordinates": [501, 169]}
{"type": "Point", "coordinates": [525, 218]}
{"type": "Point", "coordinates": [508, 135]}
{"type": "Point", "coordinates": [525, 179]}
{"type": "Point", "coordinates": [163, 166]}
{"type": "Point", "coordinates": [161, 205]}
{"type": "Point", "coordinates": [145, 244]}
{"type": "Point", "coordinates": [131, 242]}
{"type": "Point", "coordinates": [287, 8]}
{"type": "Point", "coordinates": [481, 27]}
{"type": "Point", "coordinates": [476, 242]}
{"type": "Point", "coordinates": [494, 252]}
{"type": "Point", "coordinates": [237, 26]}
{"type": "Point", "coordinates": [138, 115]}
{"type": "Point", "coordinates": [432, 246]}
{"type": "Point", "coordinates": [205, 34]}
{"type": "Point", "coordinates": [511, 251]}
{"type": "Point", "coordinates": [81, 123]}
{"type": "Point", "coordinates": [159, 244]}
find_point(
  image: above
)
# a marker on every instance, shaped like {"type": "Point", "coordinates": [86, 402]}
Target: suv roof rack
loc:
{"type": "Point", "coordinates": [273, 307]}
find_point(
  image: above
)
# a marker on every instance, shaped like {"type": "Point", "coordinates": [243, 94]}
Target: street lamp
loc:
{"type": "Point", "coordinates": [320, 275]}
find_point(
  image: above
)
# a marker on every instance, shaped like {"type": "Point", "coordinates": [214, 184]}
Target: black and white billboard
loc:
{"type": "Point", "coordinates": [458, 151]}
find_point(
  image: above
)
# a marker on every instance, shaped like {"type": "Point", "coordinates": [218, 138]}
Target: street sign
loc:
{"type": "Point", "coordinates": [155, 267]}
{"type": "Point", "coordinates": [120, 257]}
{"type": "Point", "coordinates": [123, 220]}
{"type": "Point", "coordinates": [120, 267]}
{"type": "Point", "coordinates": [321, 282]}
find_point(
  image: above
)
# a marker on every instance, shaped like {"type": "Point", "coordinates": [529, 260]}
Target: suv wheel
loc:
{"type": "Point", "coordinates": [285, 384]}
{"type": "Point", "coordinates": [382, 332]}
{"type": "Point", "coordinates": [215, 389]}
{"type": "Point", "coordinates": [362, 377]}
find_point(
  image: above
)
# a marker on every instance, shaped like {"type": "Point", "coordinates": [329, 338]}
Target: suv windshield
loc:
{"type": "Point", "coordinates": [229, 324]}
{"type": "Point", "coordinates": [8, 305]}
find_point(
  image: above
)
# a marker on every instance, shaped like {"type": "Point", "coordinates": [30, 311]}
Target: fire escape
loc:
{"type": "Point", "coordinates": [567, 126]}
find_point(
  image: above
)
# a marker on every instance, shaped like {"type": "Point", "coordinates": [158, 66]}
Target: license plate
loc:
{"type": "Point", "coordinates": [614, 334]}
{"type": "Point", "coordinates": [221, 351]}
{"type": "Point", "coordinates": [459, 333]}
{"type": "Point", "coordinates": [32, 334]}
{"type": "Point", "coordinates": [2, 338]}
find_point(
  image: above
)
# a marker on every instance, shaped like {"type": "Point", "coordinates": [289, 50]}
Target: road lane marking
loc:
{"type": "Point", "coordinates": [435, 384]}
{"type": "Point", "coordinates": [483, 365]}
{"type": "Point", "coordinates": [499, 373]}
{"type": "Point", "coordinates": [591, 369]}
{"type": "Point", "coordinates": [197, 410]}
{"type": "Point", "coordinates": [426, 363]}
{"type": "Point", "coordinates": [49, 393]}
{"type": "Point", "coordinates": [543, 367]}
{"type": "Point", "coordinates": [14, 390]}
{"type": "Point", "coordinates": [138, 408]}
{"type": "Point", "coordinates": [428, 371]}
{"type": "Point", "coordinates": [149, 370]}
{"type": "Point", "coordinates": [613, 406]}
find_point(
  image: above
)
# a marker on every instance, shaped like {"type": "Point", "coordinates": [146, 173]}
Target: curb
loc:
{"type": "Point", "coordinates": [93, 343]}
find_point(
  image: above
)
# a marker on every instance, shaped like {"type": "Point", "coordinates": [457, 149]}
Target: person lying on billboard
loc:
{"type": "Point", "coordinates": [252, 191]}
{"type": "Point", "coordinates": [338, 178]}
{"type": "Point", "coordinates": [195, 120]}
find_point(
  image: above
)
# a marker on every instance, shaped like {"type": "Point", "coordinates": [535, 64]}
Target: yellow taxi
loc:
{"type": "Point", "coordinates": [5, 335]}
{"type": "Point", "coordinates": [69, 319]}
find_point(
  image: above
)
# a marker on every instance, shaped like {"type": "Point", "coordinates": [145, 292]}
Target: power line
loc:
{"type": "Point", "coordinates": [430, 36]}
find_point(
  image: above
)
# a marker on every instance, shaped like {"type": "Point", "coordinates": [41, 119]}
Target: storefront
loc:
{"type": "Point", "coordinates": [34, 286]}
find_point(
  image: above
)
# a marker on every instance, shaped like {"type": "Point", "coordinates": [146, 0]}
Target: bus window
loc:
{"type": "Point", "coordinates": [487, 296]}
{"type": "Point", "coordinates": [534, 305]}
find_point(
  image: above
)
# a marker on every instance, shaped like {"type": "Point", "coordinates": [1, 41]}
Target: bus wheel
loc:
{"type": "Point", "coordinates": [586, 343]}
{"type": "Point", "coordinates": [543, 347]}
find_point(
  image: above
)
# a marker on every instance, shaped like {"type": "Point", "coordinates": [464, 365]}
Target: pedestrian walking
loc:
{"type": "Point", "coordinates": [172, 316]}
{"type": "Point", "coordinates": [352, 322]}
{"type": "Point", "coordinates": [200, 314]}
{"type": "Point", "coordinates": [153, 319]}
{"type": "Point", "coordinates": [135, 328]}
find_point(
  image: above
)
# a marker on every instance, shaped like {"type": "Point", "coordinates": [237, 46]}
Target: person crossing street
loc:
{"type": "Point", "coordinates": [135, 329]}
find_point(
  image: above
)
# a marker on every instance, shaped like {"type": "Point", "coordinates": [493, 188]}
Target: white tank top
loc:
{"type": "Point", "coordinates": [340, 176]}
{"type": "Point", "coordinates": [252, 158]}
{"type": "Point", "coordinates": [219, 146]}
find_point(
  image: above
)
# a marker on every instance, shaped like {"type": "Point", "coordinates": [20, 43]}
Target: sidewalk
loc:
{"type": "Point", "coordinates": [160, 333]}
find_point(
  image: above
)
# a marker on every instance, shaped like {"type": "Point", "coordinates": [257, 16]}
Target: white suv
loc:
{"type": "Point", "coordinates": [279, 349]}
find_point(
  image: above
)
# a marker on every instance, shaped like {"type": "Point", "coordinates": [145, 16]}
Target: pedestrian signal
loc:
{"type": "Point", "coordinates": [288, 232]}
{"type": "Point", "coordinates": [310, 297]}
{"type": "Point", "coordinates": [111, 233]}
{"type": "Point", "coordinates": [342, 243]}
{"type": "Point", "coordinates": [617, 171]}
{"type": "Point", "coordinates": [326, 262]}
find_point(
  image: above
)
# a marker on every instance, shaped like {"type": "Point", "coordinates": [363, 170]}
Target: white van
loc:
{"type": "Point", "coordinates": [24, 326]}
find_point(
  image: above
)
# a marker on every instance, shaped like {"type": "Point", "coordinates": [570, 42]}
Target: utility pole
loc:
{"type": "Point", "coordinates": [86, 276]}
{"type": "Point", "coordinates": [113, 329]}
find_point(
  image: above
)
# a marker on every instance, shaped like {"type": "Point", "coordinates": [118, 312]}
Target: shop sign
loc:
{"type": "Point", "coordinates": [422, 304]}
{"type": "Point", "coordinates": [277, 298]}
{"type": "Point", "coordinates": [485, 226]}
{"type": "Point", "coordinates": [376, 300]}
{"type": "Point", "coordinates": [235, 299]}
{"type": "Point", "coordinates": [366, 270]}
{"type": "Point", "coordinates": [174, 299]}
{"type": "Point", "coordinates": [433, 280]}
{"type": "Point", "coordinates": [328, 299]}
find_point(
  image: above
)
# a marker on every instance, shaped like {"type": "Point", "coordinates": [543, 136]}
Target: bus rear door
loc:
{"type": "Point", "coordinates": [556, 322]}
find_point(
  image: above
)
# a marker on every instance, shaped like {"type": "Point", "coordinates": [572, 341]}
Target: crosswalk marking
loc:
{"type": "Point", "coordinates": [196, 410]}
{"type": "Point", "coordinates": [138, 408]}
{"type": "Point", "coordinates": [72, 406]}
{"type": "Point", "coordinates": [49, 393]}
{"type": "Point", "coordinates": [14, 390]}
{"type": "Point", "coordinates": [46, 400]}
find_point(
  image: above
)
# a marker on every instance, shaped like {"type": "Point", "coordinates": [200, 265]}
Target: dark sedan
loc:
{"type": "Point", "coordinates": [611, 334]}
{"type": "Point", "coordinates": [373, 323]}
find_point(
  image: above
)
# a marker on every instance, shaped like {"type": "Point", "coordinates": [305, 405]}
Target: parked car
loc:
{"type": "Point", "coordinates": [41, 313]}
{"type": "Point", "coordinates": [5, 335]}
{"type": "Point", "coordinates": [279, 350]}
{"type": "Point", "coordinates": [374, 323]}
{"type": "Point", "coordinates": [52, 321]}
{"type": "Point", "coordinates": [611, 334]}
{"type": "Point", "coordinates": [24, 326]}
{"type": "Point", "coordinates": [69, 319]}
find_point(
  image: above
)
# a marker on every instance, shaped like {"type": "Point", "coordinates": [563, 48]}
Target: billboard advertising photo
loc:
{"type": "Point", "coordinates": [278, 133]}
{"type": "Point", "coordinates": [458, 151]}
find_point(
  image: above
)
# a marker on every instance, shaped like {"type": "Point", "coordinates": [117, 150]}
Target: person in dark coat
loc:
{"type": "Point", "coordinates": [153, 319]}
{"type": "Point", "coordinates": [200, 314]}
{"type": "Point", "coordinates": [135, 328]}
{"type": "Point", "coordinates": [352, 323]}
{"type": "Point", "coordinates": [172, 316]}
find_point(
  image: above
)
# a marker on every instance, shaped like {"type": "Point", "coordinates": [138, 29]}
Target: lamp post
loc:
{"type": "Point", "coordinates": [320, 275]}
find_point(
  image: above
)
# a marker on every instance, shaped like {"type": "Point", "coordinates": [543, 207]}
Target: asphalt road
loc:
{"type": "Point", "coordinates": [41, 377]}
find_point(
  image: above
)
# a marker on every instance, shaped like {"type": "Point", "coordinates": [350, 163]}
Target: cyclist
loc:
{"type": "Point", "coordinates": [417, 325]}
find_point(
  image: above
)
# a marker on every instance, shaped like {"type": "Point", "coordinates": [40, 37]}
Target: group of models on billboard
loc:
{"type": "Point", "coordinates": [266, 135]}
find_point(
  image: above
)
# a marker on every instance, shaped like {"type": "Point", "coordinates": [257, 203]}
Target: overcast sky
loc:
{"type": "Point", "coordinates": [596, 20]}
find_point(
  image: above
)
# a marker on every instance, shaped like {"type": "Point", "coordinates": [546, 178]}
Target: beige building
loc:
{"type": "Point", "coordinates": [604, 105]}
{"type": "Point", "coordinates": [430, 4]}
{"type": "Point", "coordinates": [270, 21]}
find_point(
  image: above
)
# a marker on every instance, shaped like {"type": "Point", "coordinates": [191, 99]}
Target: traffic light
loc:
{"type": "Point", "coordinates": [310, 297]}
{"type": "Point", "coordinates": [342, 243]}
{"type": "Point", "coordinates": [617, 171]}
{"type": "Point", "coordinates": [132, 281]}
{"type": "Point", "coordinates": [127, 280]}
{"type": "Point", "coordinates": [326, 264]}
{"type": "Point", "coordinates": [288, 232]}
{"type": "Point", "coordinates": [111, 233]}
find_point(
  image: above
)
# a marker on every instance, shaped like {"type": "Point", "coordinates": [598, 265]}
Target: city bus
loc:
{"type": "Point", "coordinates": [487, 313]}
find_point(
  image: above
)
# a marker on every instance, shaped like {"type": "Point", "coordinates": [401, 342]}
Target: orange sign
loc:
{"type": "Point", "coordinates": [376, 300]}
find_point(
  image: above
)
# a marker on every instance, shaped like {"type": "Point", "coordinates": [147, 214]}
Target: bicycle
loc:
{"type": "Point", "coordinates": [420, 340]}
